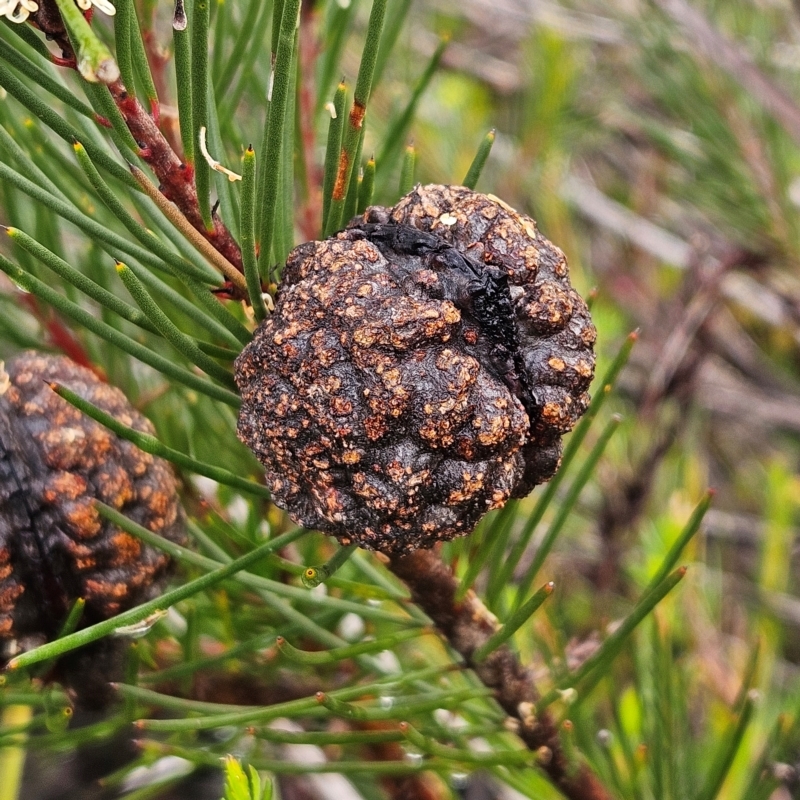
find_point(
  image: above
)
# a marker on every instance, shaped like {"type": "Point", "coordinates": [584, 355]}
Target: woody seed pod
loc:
{"type": "Point", "coordinates": [54, 462]}
{"type": "Point", "coordinates": [419, 370]}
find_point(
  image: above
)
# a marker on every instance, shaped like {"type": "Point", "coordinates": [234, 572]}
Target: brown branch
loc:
{"type": "Point", "coordinates": [310, 215]}
{"type": "Point", "coordinates": [467, 624]}
{"type": "Point", "coordinates": [176, 179]}
{"type": "Point", "coordinates": [705, 285]}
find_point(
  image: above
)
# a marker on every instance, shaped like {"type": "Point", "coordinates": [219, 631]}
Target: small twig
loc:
{"type": "Point", "coordinates": [189, 231]}
{"type": "Point", "coordinates": [591, 203]}
{"type": "Point", "coordinates": [693, 316]}
{"type": "Point", "coordinates": [176, 179]}
{"type": "Point", "coordinates": [760, 300]}
{"type": "Point", "coordinates": [722, 392]}
{"type": "Point", "coordinates": [467, 625]}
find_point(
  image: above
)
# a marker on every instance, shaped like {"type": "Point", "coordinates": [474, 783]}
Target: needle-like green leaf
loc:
{"type": "Point", "coordinates": [150, 444]}
{"type": "Point", "coordinates": [476, 168]}
{"type": "Point", "coordinates": [274, 141]}
{"type": "Point", "coordinates": [314, 576]}
{"type": "Point", "coordinates": [179, 340]}
{"type": "Point", "coordinates": [120, 340]}
{"type": "Point", "coordinates": [355, 120]}
{"type": "Point", "coordinates": [80, 281]}
{"type": "Point", "coordinates": [247, 225]}
{"type": "Point", "coordinates": [142, 612]}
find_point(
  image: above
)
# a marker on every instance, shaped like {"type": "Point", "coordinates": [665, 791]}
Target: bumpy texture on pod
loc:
{"type": "Point", "coordinates": [54, 461]}
{"type": "Point", "coordinates": [419, 370]}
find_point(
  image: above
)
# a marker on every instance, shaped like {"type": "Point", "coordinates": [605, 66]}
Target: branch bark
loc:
{"type": "Point", "coordinates": [467, 624]}
{"type": "Point", "coordinates": [176, 179]}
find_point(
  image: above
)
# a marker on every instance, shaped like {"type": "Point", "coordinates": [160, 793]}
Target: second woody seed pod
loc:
{"type": "Point", "coordinates": [54, 463]}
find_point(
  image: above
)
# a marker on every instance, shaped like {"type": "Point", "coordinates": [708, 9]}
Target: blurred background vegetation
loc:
{"type": "Point", "coordinates": [658, 144]}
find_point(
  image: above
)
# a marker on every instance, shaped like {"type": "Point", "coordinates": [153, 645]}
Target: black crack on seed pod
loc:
{"type": "Point", "coordinates": [54, 546]}
{"type": "Point", "coordinates": [419, 370]}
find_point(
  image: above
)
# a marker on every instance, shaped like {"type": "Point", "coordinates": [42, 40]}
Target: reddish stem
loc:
{"type": "Point", "coordinates": [310, 216]}
{"type": "Point", "coordinates": [176, 179]}
{"type": "Point", "coordinates": [69, 62]}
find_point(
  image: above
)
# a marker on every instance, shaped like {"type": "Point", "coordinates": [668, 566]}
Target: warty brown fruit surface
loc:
{"type": "Point", "coordinates": [54, 462]}
{"type": "Point", "coordinates": [386, 407]}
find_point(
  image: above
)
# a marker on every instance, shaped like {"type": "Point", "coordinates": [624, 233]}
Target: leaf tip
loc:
{"type": "Point", "coordinates": [179, 17]}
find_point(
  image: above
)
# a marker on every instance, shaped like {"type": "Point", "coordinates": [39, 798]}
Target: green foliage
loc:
{"type": "Point", "coordinates": [260, 605]}
{"type": "Point", "coordinates": [241, 786]}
